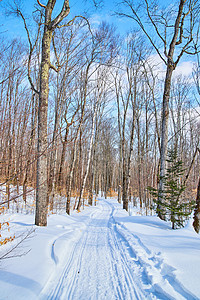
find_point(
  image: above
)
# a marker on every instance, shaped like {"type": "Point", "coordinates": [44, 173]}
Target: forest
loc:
{"type": "Point", "coordinates": [85, 111]}
{"type": "Point", "coordinates": [99, 149]}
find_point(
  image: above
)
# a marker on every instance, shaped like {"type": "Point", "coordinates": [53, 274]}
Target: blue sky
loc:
{"type": "Point", "coordinates": [13, 27]}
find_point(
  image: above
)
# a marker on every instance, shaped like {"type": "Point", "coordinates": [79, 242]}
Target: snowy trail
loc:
{"type": "Point", "coordinates": [109, 262]}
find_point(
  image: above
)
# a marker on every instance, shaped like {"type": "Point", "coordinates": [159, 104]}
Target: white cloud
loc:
{"type": "Point", "coordinates": [185, 68]}
{"type": "Point", "coordinates": [96, 19]}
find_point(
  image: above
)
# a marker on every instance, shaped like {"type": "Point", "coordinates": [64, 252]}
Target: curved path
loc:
{"type": "Point", "coordinates": [109, 262]}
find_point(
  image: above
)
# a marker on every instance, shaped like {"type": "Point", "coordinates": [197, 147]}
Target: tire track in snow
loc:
{"type": "Point", "coordinates": [111, 278]}
{"type": "Point", "coordinates": [51, 291]}
{"type": "Point", "coordinates": [68, 281]}
{"type": "Point", "coordinates": [97, 254]}
{"type": "Point", "coordinates": [165, 281]}
{"type": "Point", "coordinates": [67, 284]}
{"type": "Point", "coordinates": [109, 262]}
{"type": "Point", "coordinates": [158, 277]}
{"type": "Point", "coordinates": [132, 289]}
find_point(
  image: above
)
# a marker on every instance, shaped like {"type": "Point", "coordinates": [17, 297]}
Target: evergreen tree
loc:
{"type": "Point", "coordinates": [174, 207]}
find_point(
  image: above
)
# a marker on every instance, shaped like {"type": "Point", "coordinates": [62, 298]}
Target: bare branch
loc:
{"type": "Point", "coordinates": [154, 25]}
{"type": "Point", "coordinates": [64, 13]}
{"type": "Point", "coordinates": [181, 28]}
{"type": "Point", "coordinates": [55, 50]}
{"type": "Point", "coordinates": [190, 168]}
{"type": "Point", "coordinates": [40, 4]}
{"type": "Point", "coordinates": [23, 238]}
{"type": "Point", "coordinates": [54, 68]}
{"type": "Point", "coordinates": [15, 197]}
{"type": "Point", "coordinates": [72, 21]}
{"type": "Point", "coordinates": [176, 30]}
{"type": "Point", "coordinates": [19, 13]}
{"type": "Point", "coordinates": [11, 74]}
{"type": "Point", "coordinates": [136, 18]}
{"type": "Point", "coordinates": [31, 46]}
{"type": "Point", "coordinates": [29, 73]}
{"type": "Point", "coordinates": [184, 51]}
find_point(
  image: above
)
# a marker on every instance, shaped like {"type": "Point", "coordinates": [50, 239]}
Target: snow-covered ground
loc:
{"type": "Point", "coordinates": [101, 253]}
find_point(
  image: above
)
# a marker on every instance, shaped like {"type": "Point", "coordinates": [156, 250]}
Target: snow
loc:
{"type": "Point", "coordinates": [100, 253]}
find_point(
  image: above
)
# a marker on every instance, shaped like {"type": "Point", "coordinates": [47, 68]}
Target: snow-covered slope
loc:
{"type": "Point", "coordinates": [102, 253]}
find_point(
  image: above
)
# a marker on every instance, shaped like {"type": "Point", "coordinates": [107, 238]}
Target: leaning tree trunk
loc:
{"type": "Point", "coordinates": [196, 223]}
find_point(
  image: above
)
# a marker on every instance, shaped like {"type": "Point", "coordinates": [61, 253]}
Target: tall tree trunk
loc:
{"type": "Point", "coordinates": [119, 195]}
{"type": "Point", "coordinates": [91, 185]}
{"type": "Point", "coordinates": [165, 108]}
{"type": "Point", "coordinates": [164, 138]}
{"type": "Point", "coordinates": [196, 223]}
{"type": "Point", "coordinates": [180, 39]}
{"type": "Point", "coordinates": [139, 163]}
{"type": "Point", "coordinates": [70, 176]}
{"type": "Point", "coordinates": [41, 188]}
{"type": "Point", "coordinates": [30, 146]}
{"type": "Point", "coordinates": [42, 185]}
{"type": "Point", "coordinates": [53, 159]}
{"type": "Point", "coordinates": [133, 101]}
{"type": "Point", "coordinates": [83, 105]}
{"type": "Point", "coordinates": [124, 178]}
{"type": "Point", "coordinates": [64, 147]}
{"type": "Point", "coordinates": [95, 163]}
{"type": "Point", "coordinates": [89, 156]}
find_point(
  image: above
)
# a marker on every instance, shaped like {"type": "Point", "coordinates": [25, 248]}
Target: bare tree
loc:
{"type": "Point", "coordinates": [126, 96]}
{"type": "Point", "coordinates": [49, 26]}
{"type": "Point", "coordinates": [102, 52]}
{"type": "Point", "coordinates": [98, 95]}
{"type": "Point", "coordinates": [69, 50]}
{"type": "Point", "coordinates": [196, 223]}
{"type": "Point", "coordinates": [175, 30]}
{"type": "Point", "coordinates": [83, 95]}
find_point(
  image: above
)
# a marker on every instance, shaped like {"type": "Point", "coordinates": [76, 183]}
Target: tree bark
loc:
{"type": "Point", "coordinates": [180, 39]}
{"type": "Point", "coordinates": [83, 105]}
{"type": "Point", "coordinates": [64, 147]}
{"type": "Point", "coordinates": [165, 108]}
{"type": "Point", "coordinates": [41, 186]}
{"type": "Point", "coordinates": [89, 156]}
{"type": "Point", "coordinates": [139, 163]}
{"type": "Point", "coordinates": [70, 176]}
{"type": "Point", "coordinates": [196, 223]}
{"type": "Point", "coordinates": [164, 137]}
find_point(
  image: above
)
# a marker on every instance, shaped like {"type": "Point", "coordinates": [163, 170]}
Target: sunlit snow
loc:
{"type": "Point", "coordinates": [101, 253]}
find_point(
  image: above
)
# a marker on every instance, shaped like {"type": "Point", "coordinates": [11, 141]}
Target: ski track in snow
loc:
{"type": "Point", "coordinates": [110, 262]}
